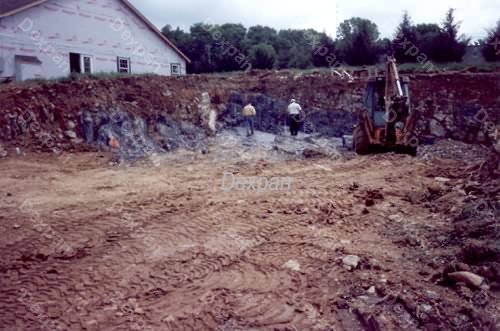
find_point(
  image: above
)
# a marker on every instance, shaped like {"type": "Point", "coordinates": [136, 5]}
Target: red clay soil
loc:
{"type": "Point", "coordinates": [360, 244]}
{"type": "Point", "coordinates": [363, 243]}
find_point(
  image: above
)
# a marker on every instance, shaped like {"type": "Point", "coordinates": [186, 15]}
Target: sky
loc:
{"type": "Point", "coordinates": [323, 15]}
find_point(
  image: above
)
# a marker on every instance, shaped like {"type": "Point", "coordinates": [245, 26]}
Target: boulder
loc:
{"type": "Point", "coordinates": [351, 262]}
{"type": "Point", "coordinates": [208, 115]}
{"type": "Point", "coordinates": [469, 278]}
{"type": "Point", "coordinates": [70, 134]}
{"type": "Point", "coordinates": [71, 125]}
{"type": "Point", "coordinates": [435, 188]}
{"type": "Point", "coordinates": [292, 265]}
{"type": "Point", "coordinates": [437, 129]}
{"type": "Point", "coordinates": [3, 152]}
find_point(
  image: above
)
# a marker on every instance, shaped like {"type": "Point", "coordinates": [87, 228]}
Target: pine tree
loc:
{"type": "Point", "coordinates": [491, 48]}
{"type": "Point", "coordinates": [450, 47]}
{"type": "Point", "coordinates": [406, 38]}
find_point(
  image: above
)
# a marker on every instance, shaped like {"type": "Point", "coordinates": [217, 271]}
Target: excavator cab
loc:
{"type": "Point", "coordinates": [374, 99]}
{"type": "Point", "coordinates": [387, 122]}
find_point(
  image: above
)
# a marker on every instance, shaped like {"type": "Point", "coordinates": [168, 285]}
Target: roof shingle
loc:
{"type": "Point", "coordinates": [9, 6]}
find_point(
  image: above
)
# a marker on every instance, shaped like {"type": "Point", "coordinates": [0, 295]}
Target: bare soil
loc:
{"type": "Point", "coordinates": [89, 245]}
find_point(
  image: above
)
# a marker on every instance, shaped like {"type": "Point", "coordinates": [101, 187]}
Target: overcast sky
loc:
{"type": "Point", "coordinates": [322, 15]}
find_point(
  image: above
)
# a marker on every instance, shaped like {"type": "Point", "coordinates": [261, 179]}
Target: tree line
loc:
{"type": "Point", "coordinates": [233, 47]}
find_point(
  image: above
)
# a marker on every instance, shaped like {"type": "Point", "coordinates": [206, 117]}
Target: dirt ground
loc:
{"type": "Point", "coordinates": [360, 243]}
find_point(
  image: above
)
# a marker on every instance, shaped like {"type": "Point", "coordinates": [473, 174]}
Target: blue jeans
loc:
{"type": "Point", "coordinates": [249, 125]}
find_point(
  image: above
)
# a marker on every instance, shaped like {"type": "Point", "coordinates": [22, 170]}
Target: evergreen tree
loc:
{"type": "Point", "coordinates": [406, 38]}
{"type": "Point", "coordinates": [449, 47]}
{"type": "Point", "coordinates": [491, 48]}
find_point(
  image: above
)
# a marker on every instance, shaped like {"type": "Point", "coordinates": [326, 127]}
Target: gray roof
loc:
{"type": "Point", "coordinates": [9, 7]}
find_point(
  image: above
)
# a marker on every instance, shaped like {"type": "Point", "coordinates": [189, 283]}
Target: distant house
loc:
{"type": "Point", "coordinates": [52, 38]}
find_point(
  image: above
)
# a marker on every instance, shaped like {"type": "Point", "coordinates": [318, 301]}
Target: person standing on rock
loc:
{"type": "Point", "coordinates": [294, 111]}
{"type": "Point", "coordinates": [249, 114]}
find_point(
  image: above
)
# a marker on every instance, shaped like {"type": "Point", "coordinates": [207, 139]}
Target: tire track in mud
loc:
{"type": "Point", "coordinates": [170, 261]}
{"type": "Point", "coordinates": [209, 265]}
{"type": "Point", "coordinates": [212, 277]}
{"type": "Point", "coordinates": [212, 236]}
{"type": "Point", "coordinates": [37, 276]}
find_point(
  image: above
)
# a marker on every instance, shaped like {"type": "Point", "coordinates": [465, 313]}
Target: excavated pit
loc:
{"type": "Point", "coordinates": [379, 242]}
{"type": "Point", "coordinates": [155, 114]}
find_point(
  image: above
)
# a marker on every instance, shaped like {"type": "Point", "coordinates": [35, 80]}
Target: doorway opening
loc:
{"type": "Point", "coordinates": [80, 63]}
{"type": "Point", "coordinates": [74, 63]}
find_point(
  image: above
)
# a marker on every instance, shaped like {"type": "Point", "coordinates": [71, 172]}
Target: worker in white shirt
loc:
{"type": "Point", "coordinates": [294, 114]}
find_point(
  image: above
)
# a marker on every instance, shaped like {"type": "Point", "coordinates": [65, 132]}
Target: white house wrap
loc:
{"type": "Point", "coordinates": [52, 38]}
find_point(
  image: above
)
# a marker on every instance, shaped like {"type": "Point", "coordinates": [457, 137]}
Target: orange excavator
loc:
{"type": "Point", "coordinates": [387, 123]}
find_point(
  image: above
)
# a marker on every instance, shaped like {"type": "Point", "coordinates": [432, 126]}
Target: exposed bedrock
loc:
{"type": "Point", "coordinates": [133, 137]}
{"type": "Point", "coordinates": [271, 115]}
{"type": "Point", "coordinates": [155, 114]}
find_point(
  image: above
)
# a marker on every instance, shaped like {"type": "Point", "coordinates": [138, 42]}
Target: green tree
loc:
{"type": "Point", "coordinates": [261, 35]}
{"type": "Point", "coordinates": [384, 48]}
{"type": "Point", "coordinates": [324, 53]}
{"type": "Point", "coordinates": [299, 58]}
{"type": "Point", "coordinates": [491, 48]}
{"type": "Point", "coordinates": [448, 46]}
{"type": "Point", "coordinates": [180, 38]}
{"type": "Point", "coordinates": [283, 46]}
{"type": "Point", "coordinates": [263, 56]}
{"type": "Point", "coordinates": [229, 41]}
{"type": "Point", "coordinates": [427, 38]}
{"type": "Point", "coordinates": [357, 41]}
{"type": "Point", "coordinates": [294, 48]}
{"type": "Point", "coordinates": [406, 38]}
{"type": "Point", "coordinates": [203, 51]}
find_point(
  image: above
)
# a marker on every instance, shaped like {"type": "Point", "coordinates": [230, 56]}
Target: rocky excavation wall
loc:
{"type": "Point", "coordinates": [154, 114]}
